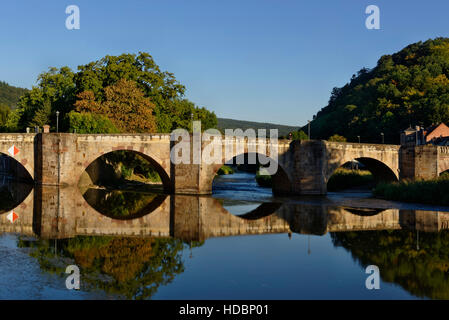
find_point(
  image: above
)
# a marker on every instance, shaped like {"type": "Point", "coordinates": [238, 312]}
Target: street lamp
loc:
{"type": "Point", "coordinates": [383, 137]}
{"type": "Point", "coordinates": [358, 137]}
{"type": "Point", "coordinates": [57, 121]}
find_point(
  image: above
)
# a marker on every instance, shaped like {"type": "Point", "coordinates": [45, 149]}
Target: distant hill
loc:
{"type": "Point", "coordinates": [9, 95]}
{"type": "Point", "coordinates": [283, 130]}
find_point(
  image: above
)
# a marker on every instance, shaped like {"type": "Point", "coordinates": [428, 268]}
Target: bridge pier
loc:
{"type": "Point", "coordinates": [419, 162]}
{"type": "Point", "coordinates": [56, 160]}
{"type": "Point", "coordinates": [307, 172]}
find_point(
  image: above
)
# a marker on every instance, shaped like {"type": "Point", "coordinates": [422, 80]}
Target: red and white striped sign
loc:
{"type": "Point", "coordinates": [13, 151]}
{"type": "Point", "coordinates": [12, 217]}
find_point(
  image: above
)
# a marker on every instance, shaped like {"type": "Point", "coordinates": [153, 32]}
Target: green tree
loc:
{"type": "Point", "coordinates": [298, 135]}
{"type": "Point", "coordinates": [408, 87]}
{"type": "Point", "coordinates": [9, 95]}
{"type": "Point", "coordinates": [55, 92]}
{"type": "Point", "coordinates": [59, 90]}
{"type": "Point", "coordinates": [337, 138]}
{"type": "Point", "coordinates": [423, 271]}
{"type": "Point", "coordinates": [4, 113]}
{"type": "Point", "coordinates": [133, 268]}
{"type": "Point", "coordinates": [12, 121]}
{"type": "Point", "coordinates": [160, 86]}
{"type": "Point", "coordinates": [86, 122]}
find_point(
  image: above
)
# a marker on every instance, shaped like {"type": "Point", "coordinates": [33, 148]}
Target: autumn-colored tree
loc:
{"type": "Point", "coordinates": [134, 267]}
{"type": "Point", "coordinates": [86, 102]}
{"type": "Point", "coordinates": [125, 105]}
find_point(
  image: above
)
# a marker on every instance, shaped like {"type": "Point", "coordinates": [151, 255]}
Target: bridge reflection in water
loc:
{"type": "Point", "coordinates": [57, 213]}
{"type": "Point", "coordinates": [134, 250]}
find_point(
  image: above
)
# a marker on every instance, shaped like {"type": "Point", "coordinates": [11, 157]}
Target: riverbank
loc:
{"type": "Point", "coordinates": [346, 178]}
{"type": "Point", "coordinates": [434, 192]}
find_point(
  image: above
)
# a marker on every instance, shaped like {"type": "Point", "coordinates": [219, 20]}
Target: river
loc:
{"type": "Point", "coordinates": [239, 243]}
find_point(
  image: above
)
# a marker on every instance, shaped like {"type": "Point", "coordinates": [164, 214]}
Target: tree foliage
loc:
{"type": "Point", "coordinates": [55, 92]}
{"type": "Point", "coordinates": [119, 203]}
{"type": "Point", "coordinates": [86, 122]}
{"type": "Point", "coordinates": [298, 135]}
{"type": "Point", "coordinates": [337, 138]}
{"type": "Point", "coordinates": [131, 267]}
{"type": "Point", "coordinates": [4, 113]}
{"type": "Point", "coordinates": [421, 268]}
{"type": "Point", "coordinates": [410, 87]}
{"type": "Point", "coordinates": [124, 104]}
{"type": "Point", "coordinates": [9, 95]}
{"type": "Point", "coordinates": [126, 87]}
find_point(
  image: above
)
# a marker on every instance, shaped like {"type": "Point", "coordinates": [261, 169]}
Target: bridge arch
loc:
{"type": "Point", "coordinates": [18, 169]}
{"type": "Point", "coordinates": [152, 158]}
{"type": "Point", "coordinates": [443, 166]}
{"type": "Point", "coordinates": [380, 170]}
{"type": "Point", "coordinates": [281, 182]}
{"type": "Point", "coordinates": [363, 212]}
{"type": "Point", "coordinates": [118, 208]}
{"type": "Point", "coordinates": [264, 210]}
{"type": "Point", "coordinates": [14, 195]}
{"type": "Point", "coordinates": [382, 160]}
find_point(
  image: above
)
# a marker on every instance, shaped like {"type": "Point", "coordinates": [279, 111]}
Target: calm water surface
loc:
{"type": "Point", "coordinates": [242, 243]}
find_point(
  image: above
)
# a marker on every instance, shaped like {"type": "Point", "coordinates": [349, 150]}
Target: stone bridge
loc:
{"type": "Point", "coordinates": [194, 218]}
{"type": "Point", "coordinates": [303, 167]}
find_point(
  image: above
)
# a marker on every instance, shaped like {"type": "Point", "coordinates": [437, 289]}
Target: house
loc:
{"type": "Point", "coordinates": [434, 134]}
{"type": "Point", "coordinates": [444, 141]}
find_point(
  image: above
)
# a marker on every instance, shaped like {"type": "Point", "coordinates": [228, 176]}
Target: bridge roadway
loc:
{"type": "Point", "coordinates": [55, 213]}
{"type": "Point", "coordinates": [304, 167]}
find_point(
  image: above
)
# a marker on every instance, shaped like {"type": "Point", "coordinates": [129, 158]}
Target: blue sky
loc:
{"type": "Point", "coordinates": [265, 60]}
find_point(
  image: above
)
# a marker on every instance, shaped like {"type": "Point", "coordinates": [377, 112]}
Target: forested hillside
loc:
{"type": "Point", "coordinates": [410, 87]}
{"type": "Point", "coordinates": [10, 95]}
{"type": "Point", "coordinates": [224, 123]}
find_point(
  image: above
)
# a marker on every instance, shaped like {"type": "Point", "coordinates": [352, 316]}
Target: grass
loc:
{"type": "Point", "coordinates": [435, 191]}
{"type": "Point", "coordinates": [347, 178]}
{"type": "Point", "coordinates": [149, 175]}
{"type": "Point", "coordinates": [225, 170]}
{"type": "Point", "coordinates": [263, 179]}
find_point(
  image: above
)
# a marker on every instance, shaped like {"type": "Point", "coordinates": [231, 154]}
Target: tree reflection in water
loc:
{"type": "Point", "coordinates": [418, 264]}
{"type": "Point", "coordinates": [121, 204]}
{"type": "Point", "coordinates": [133, 268]}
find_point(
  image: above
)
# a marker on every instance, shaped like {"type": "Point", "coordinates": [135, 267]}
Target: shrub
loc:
{"type": "Point", "coordinates": [433, 191]}
{"type": "Point", "coordinates": [346, 178]}
{"type": "Point", "coordinates": [225, 170]}
{"type": "Point", "coordinates": [263, 179]}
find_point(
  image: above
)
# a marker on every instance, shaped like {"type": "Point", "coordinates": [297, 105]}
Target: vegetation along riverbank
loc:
{"type": "Point", "coordinates": [433, 191]}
